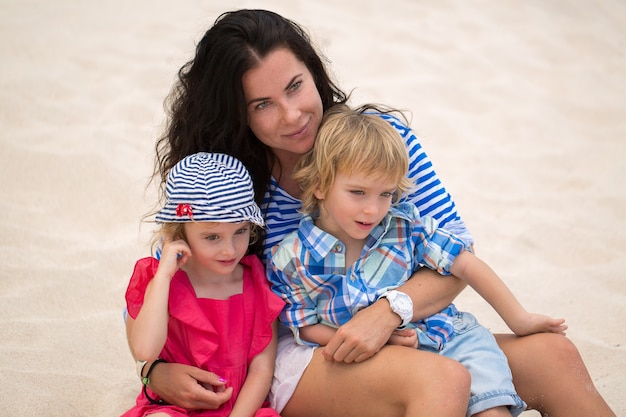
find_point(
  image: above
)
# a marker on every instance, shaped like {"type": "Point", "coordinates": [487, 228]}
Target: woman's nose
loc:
{"type": "Point", "coordinates": [290, 113]}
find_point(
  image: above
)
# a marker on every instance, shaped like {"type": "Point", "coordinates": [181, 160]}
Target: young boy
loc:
{"type": "Point", "coordinates": [356, 244]}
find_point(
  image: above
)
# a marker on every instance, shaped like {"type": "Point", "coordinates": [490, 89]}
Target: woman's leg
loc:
{"type": "Point", "coordinates": [550, 376]}
{"type": "Point", "coordinates": [397, 381]}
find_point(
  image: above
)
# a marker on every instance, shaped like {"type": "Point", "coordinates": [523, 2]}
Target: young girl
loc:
{"type": "Point", "coordinates": [356, 246]}
{"type": "Point", "coordinates": [205, 303]}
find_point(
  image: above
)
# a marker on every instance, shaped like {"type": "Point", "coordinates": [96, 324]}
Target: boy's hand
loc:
{"type": "Point", "coordinates": [538, 323]}
{"type": "Point", "coordinates": [405, 337]}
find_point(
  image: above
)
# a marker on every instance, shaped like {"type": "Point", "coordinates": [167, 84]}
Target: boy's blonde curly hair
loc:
{"type": "Point", "coordinates": [352, 142]}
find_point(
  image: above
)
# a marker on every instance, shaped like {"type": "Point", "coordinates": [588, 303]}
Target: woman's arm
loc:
{"type": "Point", "coordinates": [184, 386]}
{"type": "Point", "coordinates": [430, 293]}
{"type": "Point", "coordinates": [369, 330]}
{"type": "Point", "coordinates": [258, 381]}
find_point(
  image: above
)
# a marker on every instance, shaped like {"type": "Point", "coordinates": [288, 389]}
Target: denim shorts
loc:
{"type": "Point", "coordinates": [475, 347]}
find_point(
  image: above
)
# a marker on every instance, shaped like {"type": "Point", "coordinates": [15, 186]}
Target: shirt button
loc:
{"type": "Point", "coordinates": [337, 248]}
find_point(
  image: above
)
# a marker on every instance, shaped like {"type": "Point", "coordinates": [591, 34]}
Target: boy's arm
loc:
{"type": "Point", "coordinates": [487, 283]}
{"type": "Point", "coordinates": [258, 381]}
{"type": "Point", "coordinates": [317, 333]}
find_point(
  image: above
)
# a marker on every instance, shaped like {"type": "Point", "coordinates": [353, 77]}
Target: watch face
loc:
{"type": "Point", "coordinates": [403, 303]}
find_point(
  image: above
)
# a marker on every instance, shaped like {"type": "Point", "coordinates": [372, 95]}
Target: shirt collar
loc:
{"type": "Point", "coordinates": [320, 243]}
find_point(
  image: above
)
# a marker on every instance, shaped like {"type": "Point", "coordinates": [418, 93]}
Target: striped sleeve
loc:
{"type": "Point", "coordinates": [430, 196]}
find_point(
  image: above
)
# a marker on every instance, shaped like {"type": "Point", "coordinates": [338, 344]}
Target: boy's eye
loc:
{"type": "Point", "coordinates": [387, 194]}
{"type": "Point", "coordinates": [212, 237]}
{"type": "Point", "coordinates": [357, 192]}
{"type": "Point", "coordinates": [241, 231]}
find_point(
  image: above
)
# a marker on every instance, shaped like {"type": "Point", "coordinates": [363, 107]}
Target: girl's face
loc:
{"type": "Point", "coordinates": [354, 205]}
{"type": "Point", "coordinates": [284, 106]}
{"type": "Point", "coordinates": [217, 248]}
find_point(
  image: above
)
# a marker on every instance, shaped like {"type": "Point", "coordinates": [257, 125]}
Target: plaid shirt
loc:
{"type": "Point", "coordinates": [307, 269]}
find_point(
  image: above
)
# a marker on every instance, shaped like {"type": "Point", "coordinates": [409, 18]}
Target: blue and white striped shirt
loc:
{"type": "Point", "coordinates": [308, 270]}
{"type": "Point", "coordinates": [282, 215]}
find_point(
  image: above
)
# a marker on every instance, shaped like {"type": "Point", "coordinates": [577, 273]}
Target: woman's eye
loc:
{"type": "Point", "coordinates": [262, 105]}
{"type": "Point", "coordinates": [295, 85]}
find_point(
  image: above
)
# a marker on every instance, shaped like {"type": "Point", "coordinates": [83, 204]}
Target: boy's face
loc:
{"type": "Point", "coordinates": [354, 205]}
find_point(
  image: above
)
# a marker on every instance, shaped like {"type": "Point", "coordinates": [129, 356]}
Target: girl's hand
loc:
{"type": "Point", "coordinates": [538, 323]}
{"type": "Point", "coordinates": [406, 337]}
{"type": "Point", "coordinates": [174, 255]}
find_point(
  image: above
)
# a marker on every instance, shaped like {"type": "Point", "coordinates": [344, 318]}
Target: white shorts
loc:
{"type": "Point", "coordinates": [291, 361]}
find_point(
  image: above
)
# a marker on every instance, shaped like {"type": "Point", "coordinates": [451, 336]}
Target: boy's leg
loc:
{"type": "Point", "coordinates": [492, 383]}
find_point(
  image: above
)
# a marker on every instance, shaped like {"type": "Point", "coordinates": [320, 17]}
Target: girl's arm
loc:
{"type": "Point", "coordinates": [258, 381]}
{"type": "Point", "coordinates": [487, 283]}
{"type": "Point", "coordinates": [148, 331]}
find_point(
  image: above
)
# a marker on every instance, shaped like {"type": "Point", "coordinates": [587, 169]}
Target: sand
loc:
{"type": "Point", "coordinates": [521, 106]}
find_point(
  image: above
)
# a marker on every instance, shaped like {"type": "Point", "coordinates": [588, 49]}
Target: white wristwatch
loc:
{"type": "Point", "coordinates": [401, 304]}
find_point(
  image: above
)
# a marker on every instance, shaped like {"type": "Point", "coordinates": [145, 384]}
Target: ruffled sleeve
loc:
{"type": "Point", "coordinates": [145, 269]}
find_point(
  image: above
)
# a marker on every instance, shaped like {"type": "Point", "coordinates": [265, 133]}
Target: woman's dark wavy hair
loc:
{"type": "Point", "coordinates": [206, 107]}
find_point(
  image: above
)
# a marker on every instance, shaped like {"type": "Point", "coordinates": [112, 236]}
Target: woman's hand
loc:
{"type": "Point", "coordinates": [364, 335]}
{"type": "Point", "coordinates": [189, 387]}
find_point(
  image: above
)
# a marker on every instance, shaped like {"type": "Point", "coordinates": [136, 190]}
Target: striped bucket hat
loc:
{"type": "Point", "coordinates": [209, 187]}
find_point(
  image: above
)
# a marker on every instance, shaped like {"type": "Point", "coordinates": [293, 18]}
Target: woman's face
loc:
{"type": "Point", "coordinates": [283, 104]}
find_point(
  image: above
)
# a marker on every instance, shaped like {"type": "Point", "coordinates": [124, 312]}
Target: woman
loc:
{"type": "Point", "coordinates": [258, 89]}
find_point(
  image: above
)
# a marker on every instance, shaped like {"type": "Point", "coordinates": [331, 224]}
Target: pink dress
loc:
{"type": "Point", "coordinates": [221, 336]}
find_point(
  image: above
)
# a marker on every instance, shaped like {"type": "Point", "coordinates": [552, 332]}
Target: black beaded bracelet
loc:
{"type": "Point", "coordinates": [146, 380]}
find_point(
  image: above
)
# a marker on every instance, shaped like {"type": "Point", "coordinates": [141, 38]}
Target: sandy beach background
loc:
{"type": "Point", "coordinates": [521, 106]}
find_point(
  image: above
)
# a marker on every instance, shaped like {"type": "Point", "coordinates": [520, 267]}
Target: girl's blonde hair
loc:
{"type": "Point", "coordinates": [352, 142]}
